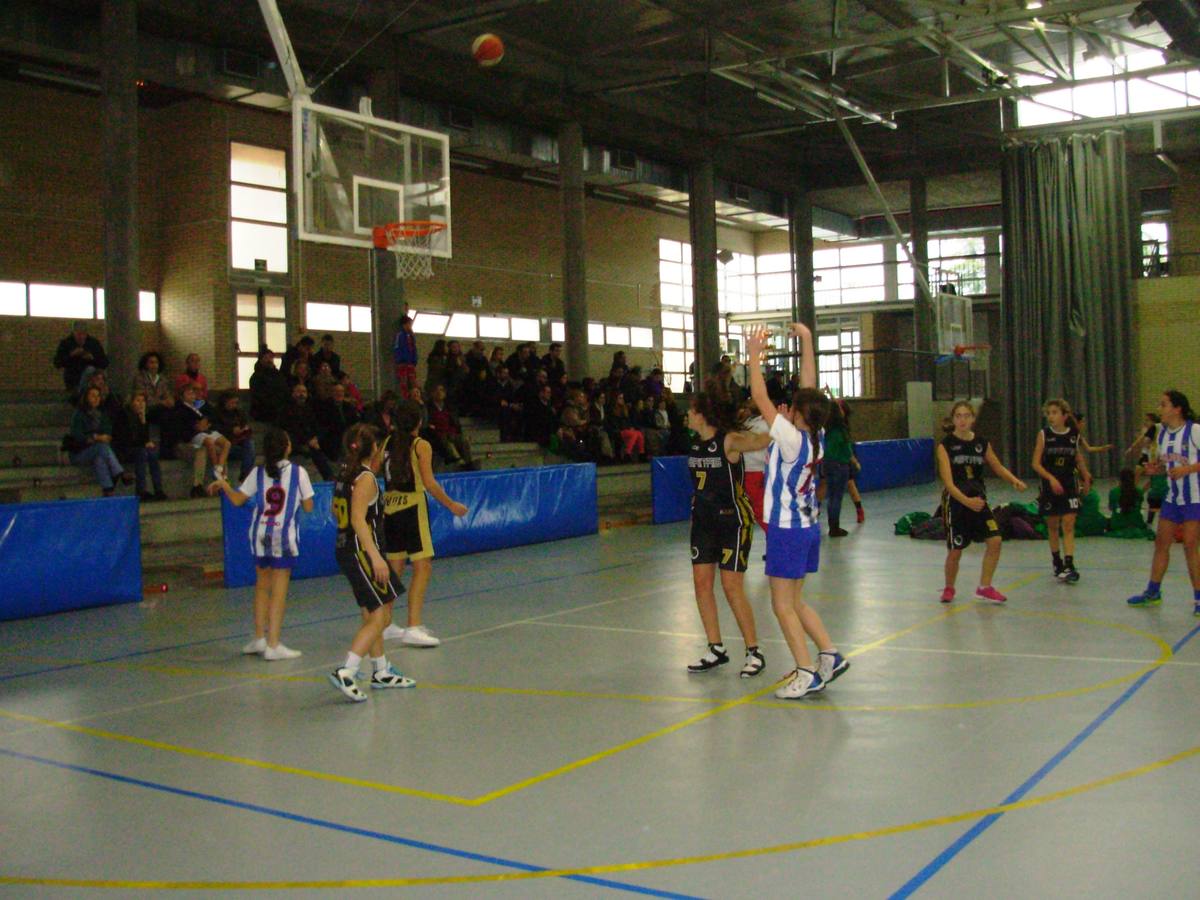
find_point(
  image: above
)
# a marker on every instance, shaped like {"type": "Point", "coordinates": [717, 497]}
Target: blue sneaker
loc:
{"type": "Point", "coordinates": [1145, 598]}
{"type": "Point", "coordinates": [831, 665]}
{"type": "Point", "coordinates": [1196, 609]}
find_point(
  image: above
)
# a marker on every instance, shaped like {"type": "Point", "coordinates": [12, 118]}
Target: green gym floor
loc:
{"type": "Point", "coordinates": [556, 746]}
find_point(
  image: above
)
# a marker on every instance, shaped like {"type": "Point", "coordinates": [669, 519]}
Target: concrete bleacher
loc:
{"type": "Point", "coordinates": [184, 533]}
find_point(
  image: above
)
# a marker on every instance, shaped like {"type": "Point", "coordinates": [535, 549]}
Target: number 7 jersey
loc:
{"type": "Point", "coordinates": [274, 529]}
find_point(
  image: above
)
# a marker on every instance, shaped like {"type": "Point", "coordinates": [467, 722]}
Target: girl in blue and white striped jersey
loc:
{"type": "Point", "coordinates": [279, 490]}
{"type": "Point", "coordinates": [791, 508]}
{"type": "Point", "coordinates": [1179, 459]}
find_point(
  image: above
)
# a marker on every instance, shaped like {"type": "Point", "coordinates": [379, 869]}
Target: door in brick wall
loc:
{"type": "Point", "coordinates": [261, 319]}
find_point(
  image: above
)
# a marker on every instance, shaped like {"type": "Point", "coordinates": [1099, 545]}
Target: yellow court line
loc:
{"type": "Point", "coordinates": [614, 868]}
{"type": "Point", "coordinates": [240, 760]}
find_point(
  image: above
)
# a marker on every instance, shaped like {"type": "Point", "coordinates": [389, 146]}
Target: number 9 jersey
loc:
{"type": "Point", "coordinates": [274, 530]}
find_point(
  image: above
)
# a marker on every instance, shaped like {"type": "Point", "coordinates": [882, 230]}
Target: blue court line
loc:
{"type": "Point", "coordinates": [942, 859]}
{"type": "Point", "coordinates": [346, 829]}
{"type": "Point", "coordinates": [341, 616]}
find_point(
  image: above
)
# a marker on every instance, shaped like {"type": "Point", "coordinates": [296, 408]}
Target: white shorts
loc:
{"type": "Point", "coordinates": [199, 439]}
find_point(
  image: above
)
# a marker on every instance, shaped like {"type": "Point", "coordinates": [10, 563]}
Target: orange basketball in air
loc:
{"type": "Point", "coordinates": [487, 49]}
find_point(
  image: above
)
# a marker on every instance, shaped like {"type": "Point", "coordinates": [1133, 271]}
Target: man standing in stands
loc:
{"type": "Point", "coordinates": [269, 392]}
{"type": "Point", "coordinates": [404, 356]}
{"type": "Point", "coordinates": [302, 349]}
{"type": "Point", "coordinates": [78, 355]}
{"type": "Point", "coordinates": [553, 364]}
{"type": "Point", "coordinates": [191, 375]}
{"type": "Point", "coordinates": [326, 355]}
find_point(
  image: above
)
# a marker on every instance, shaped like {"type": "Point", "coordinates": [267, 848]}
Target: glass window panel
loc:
{"type": "Point", "coordinates": [670, 273]}
{"type": "Point", "coordinates": [778, 283]}
{"type": "Point", "coordinates": [672, 320]}
{"type": "Point", "coordinates": [1148, 96]}
{"type": "Point", "coordinates": [247, 336]}
{"type": "Point", "coordinates": [274, 306]}
{"type": "Point", "coordinates": [61, 301]}
{"type": "Point", "coordinates": [258, 204]}
{"type": "Point", "coordinates": [493, 327]}
{"type": "Point", "coordinates": [245, 366]}
{"type": "Point", "coordinates": [687, 254]}
{"type": "Point", "coordinates": [670, 294]}
{"type": "Point", "coordinates": [1054, 107]}
{"type": "Point", "coordinates": [672, 339]}
{"type": "Point", "coordinates": [360, 319]}
{"type": "Point", "coordinates": [827, 279]}
{"type": "Point", "coordinates": [688, 274]}
{"type": "Point", "coordinates": [905, 291]}
{"type": "Point", "coordinates": [688, 359]}
{"type": "Point", "coordinates": [670, 250]}
{"type": "Point", "coordinates": [430, 323]}
{"type": "Point", "coordinates": [327, 316]}
{"type": "Point", "coordinates": [249, 242]}
{"type": "Point", "coordinates": [862, 276]}
{"type": "Point", "coordinates": [147, 306]}
{"type": "Point", "coordinates": [827, 342]}
{"type": "Point", "coordinates": [641, 337]}
{"type": "Point", "coordinates": [529, 330]}
{"type": "Point", "coordinates": [276, 334]}
{"type": "Point", "coordinates": [558, 332]}
{"type": "Point", "coordinates": [827, 298]}
{"type": "Point", "coordinates": [689, 340]}
{"type": "Point", "coordinates": [258, 165]}
{"type": "Point", "coordinates": [778, 262]}
{"type": "Point", "coordinates": [861, 254]}
{"type": "Point", "coordinates": [462, 325]}
{"type": "Point", "coordinates": [776, 301]}
{"type": "Point", "coordinates": [1098, 101]}
{"type": "Point", "coordinates": [673, 361]}
{"type": "Point", "coordinates": [616, 334]}
{"type": "Point", "coordinates": [100, 308]}
{"type": "Point", "coordinates": [596, 334]}
{"type": "Point", "coordinates": [862, 295]}
{"type": "Point", "coordinates": [12, 298]}
{"type": "Point", "coordinates": [967, 246]}
{"type": "Point", "coordinates": [826, 259]}
{"type": "Point", "coordinates": [688, 323]}
{"type": "Point", "coordinates": [247, 306]}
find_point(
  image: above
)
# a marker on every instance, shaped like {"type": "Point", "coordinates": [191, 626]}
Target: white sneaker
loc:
{"type": "Point", "coordinates": [219, 471]}
{"type": "Point", "coordinates": [343, 680]}
{"type": "Point", "coordinates": [256, 646]}
{"type": "Point", "coordinates": [801, 682]}
{"type": "Point", "coordinates": [393, 632]}
{"type": "Point", "coordinates": [279, 651]}
{"type": "Point", "coordinates": [419, 636]}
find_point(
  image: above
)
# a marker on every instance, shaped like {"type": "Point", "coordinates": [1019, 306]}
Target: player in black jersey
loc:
{"type": "Point", "coordinates": [1057, 456]}
{"type": "Point", "coordinates": [722, 526]}
{"type": "Point", "coordinates": [358, 510]}
{"type": "Point", "coordinates": [961, 458]}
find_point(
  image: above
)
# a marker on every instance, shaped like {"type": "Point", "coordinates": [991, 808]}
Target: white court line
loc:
{"type": "Point", "coordinates": [739, 639]}
{"type": "Point", "coordinates": [535, 620]}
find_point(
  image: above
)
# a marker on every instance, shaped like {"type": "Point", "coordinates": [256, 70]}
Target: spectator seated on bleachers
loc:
{"type": "Point", "coordinates": [477, 389]}
{"type": "Point", "coordinates": [151, 381]}
{"type": "Point", "coordinates": [435, 367]}
{"type": "Point", "coordinates": [301, 350]}
{"type": "Point", "coordinates": [326, 355]}
{"type": "Point", "coordinates": [78, 355]}
{"type": "Point", "coordinates": [605, 437]}
{"type": "Point", "coordinates": [444, 424]}
{"type": "Point", "coordinates": [269, 390]}
{"type": "Point", "coordinates": [523, 364]}
{"type": "Point", "coordinates": [580, 438]}
{"type": "Point", "coordinates": [540, 418]}
{"type": "Point", "coordinates": [632, 442]}
{"type": "Point", "coordinates": [206, 443]}
{"type": "Point", "coordinates": [446, 454]}
{"type": "Point", "coordinates": [380, 412]}
{"type": "Point", "coordinates": [299, 421]}
{"type": "Point", "coordinates": [652, 387]}
{"type": "Point", "coordinates": [110, 403]}
{"type": "Point", "coordinates": [322, 383]}
{"type": "Point", "coordinates": [191, 375]}
{"type": "Point", "coordinates": [334, 416]}
{"type": "Point", "coordinates": [456, 376]}
{"type": "Point", "coordinates": [300, 374]}
{"type": "Point", "coordinates": [353, 394]}
{"type": "Point", "coordinates": [232, 423]}
{"type": "Point", "coordinates": [506, 406]}
{"type": "Point", "coordinates": [90, 443]}
{"type": "Point", "coordinates": [134, 447]}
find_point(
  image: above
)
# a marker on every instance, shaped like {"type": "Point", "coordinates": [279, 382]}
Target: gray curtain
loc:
{"type": "Point", "coordinates": [1068, 289]}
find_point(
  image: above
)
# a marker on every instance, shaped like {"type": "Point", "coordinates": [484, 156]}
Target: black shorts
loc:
{"type": "Point", "coordinates": [369, 593]}
{"type": "Point", "coordinates": [722, 537]}
{"type": "Point", "coordinates": [964, 525]}
{"type": "Point", "coordinates": [406, 532]}
{"type": "Point", "coordinates": [1154, 502]}
{"type": "Point", "coordinates": [1065, 504]}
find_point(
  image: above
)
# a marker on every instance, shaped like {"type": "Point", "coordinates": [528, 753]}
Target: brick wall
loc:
{"type": "Point", "coordinates": [1167, 325]}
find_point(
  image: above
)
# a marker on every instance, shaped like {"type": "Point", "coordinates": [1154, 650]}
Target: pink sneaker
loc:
{"type": "Point", "coordinates": [948, 595]}
{"type": "Point", "coordinates": [990, 594]}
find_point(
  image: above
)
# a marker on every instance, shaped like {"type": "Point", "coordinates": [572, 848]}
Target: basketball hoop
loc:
{"type": "Point", "coordinates": [976, 354]}
{"type": "Point", "coordinates": [411, 244]}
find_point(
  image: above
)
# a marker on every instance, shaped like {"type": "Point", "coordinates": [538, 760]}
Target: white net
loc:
{"type": "Point", "coordinates": [410, 243]}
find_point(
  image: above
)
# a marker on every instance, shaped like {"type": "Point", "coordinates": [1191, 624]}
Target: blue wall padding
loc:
{"type": "Point", "coordinates": [671, 489]}
{"type": "Point", "coordinates": [507, 508]}
{"type": "Point", "coordinates": [69, 554]}
{"type": "Point", "coordinates": [889, 464]}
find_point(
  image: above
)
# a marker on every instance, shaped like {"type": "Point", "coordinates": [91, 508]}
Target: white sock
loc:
{"type": "Point", "coordinates": [353, 661]}
{"type": "Point", "coordinates": [832, 651]}
{"type": "Point", "coordinates": [380, 663]}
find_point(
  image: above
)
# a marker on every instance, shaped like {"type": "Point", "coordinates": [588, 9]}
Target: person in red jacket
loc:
{"type": "Point", "coordinates": [191, 375]}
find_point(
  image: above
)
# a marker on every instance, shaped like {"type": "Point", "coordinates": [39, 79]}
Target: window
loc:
{"type": "Point", "coordinates": [61, 301]}
{"type": "Point", "coordinates": [261, 319]}
{"type": "Point", "coordinates": [641, 337]}
{"type": "Point", "coordinates": [147, 305]}
{"type": "Point", "coordinates": [854, 273]}
{"type": "Point", "coordinates": [674, 273]}
{"type": "Point", "coordinates": [839, 362]}
{"type": "Point", "coordinates": [258, 208]}
{"type": "Point", "coordinates": [595, 334]}
{"type": "Point", "coordinates": [326, 317]}
{"type": "Point", "coordinates": [1155, 245]}
{"type": "Point", "coordinates": [12, 298]}
{"type": "Point", "coordinates": [678, 337]}
{"type": "Point", "coordinates": [528, 330]}
{"type": "Point", "coordinates": [462, 325]}
{"type": "Point", "coordinates": [360, 319]}
{"type": "Point", "coordinates": [493, 327]}
{"type": "Point", "coordinates": [617, 335]}
{"type": "Point", "coordinates": [558, 332]}
{"type": "Point", "coordinates": [430, 323]}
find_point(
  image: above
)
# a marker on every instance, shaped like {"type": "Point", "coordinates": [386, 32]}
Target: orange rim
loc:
{"type": "Point", "coordinates": [388, 235]}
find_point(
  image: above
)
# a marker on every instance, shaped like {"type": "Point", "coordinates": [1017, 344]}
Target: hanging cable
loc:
{"type": "Point", "coordinates": [341, 34]}
{"type": "Point", "coordinates": [400, 15]}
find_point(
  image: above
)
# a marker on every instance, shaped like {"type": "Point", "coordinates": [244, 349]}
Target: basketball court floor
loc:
{"type": "Point", "coordinates": [557, 747]}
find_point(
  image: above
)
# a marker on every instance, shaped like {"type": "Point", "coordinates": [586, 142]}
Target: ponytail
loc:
{"type": "Point", "coordinates": [813, 407]}
{"type": "Point", "coordinates": [361, 442]}
{"type": "Point", "coordinates": [1180, 400]}
{"type": "Point", "coordinates": [405, 419]}
{"type": "Point", "coordinates": [715, 405]}
{"type": "Point", "coordinates": [275, 446]}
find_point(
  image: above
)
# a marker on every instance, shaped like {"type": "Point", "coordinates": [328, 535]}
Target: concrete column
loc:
{"type": "Point", "coordinates": [387, 308]}
{"type": "Point", "coordinates": [702, 216]}
{"type": "Point", "coordinates": [923, 336]}
{"type": "Point", "coordinates": [800, 225]}
{"type": "Point", "coordinates": [574, 263]}
{"type": "Point", "coordinates": [119, 44]}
